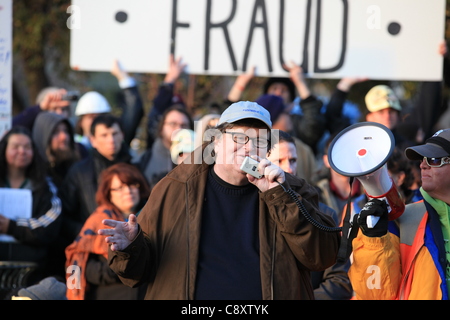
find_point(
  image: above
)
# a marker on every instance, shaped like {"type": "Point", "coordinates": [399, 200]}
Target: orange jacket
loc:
{"type": "Point", "coordinates": [408, 263]}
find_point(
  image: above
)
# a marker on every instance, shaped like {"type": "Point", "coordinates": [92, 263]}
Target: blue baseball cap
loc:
{"type": "Point", "coordinates": [245, 110]}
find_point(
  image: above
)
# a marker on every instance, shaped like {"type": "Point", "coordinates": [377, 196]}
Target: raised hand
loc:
{"type": "Point", "coordinates": [176, 67]}
{"type": "Point", "coordinates": [54, 99]}
{"type": "Point", "coordinates": [240, 84]}
{"type": "Point", "coordinates": [346, 83]}
{"type": "Point", "coordinates": [121, 234]}
{"type": "Point", "coordinates": [118, 71]}
{"type": "Point", "coordinates": [298, 77]}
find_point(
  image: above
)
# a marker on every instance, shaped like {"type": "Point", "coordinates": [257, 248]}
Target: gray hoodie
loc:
{"type": "Point", "coordinates": [43, 127]}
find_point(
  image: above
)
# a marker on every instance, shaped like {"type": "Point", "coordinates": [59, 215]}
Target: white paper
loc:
{"type": "Point", "coordinates": [15, 204]}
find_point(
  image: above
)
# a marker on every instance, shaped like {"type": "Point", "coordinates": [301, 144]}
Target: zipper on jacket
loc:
{"type": "Point", "coordinates": [401, 294]}
{"type": "Point", "coordinates": [187, 244]}
{"type": "Point", "coordinates": [273, 261]}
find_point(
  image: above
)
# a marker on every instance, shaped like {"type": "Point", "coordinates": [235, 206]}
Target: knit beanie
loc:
{"type": "Point", "coordinates": [272, 103]}
{"type": "Point", "coordinates": [286, 81]}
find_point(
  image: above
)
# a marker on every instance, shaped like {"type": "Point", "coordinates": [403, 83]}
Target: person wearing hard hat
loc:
{"type": "Point", "coordinates": [90, 105]}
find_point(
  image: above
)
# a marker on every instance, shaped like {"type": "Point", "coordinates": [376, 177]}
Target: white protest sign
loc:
{"type": "Point", "coordinates": [15, 204]}
{"type": "Point", "coordinates": [5, 65]}
{"type": "Point", "coordinates": [379, 39]}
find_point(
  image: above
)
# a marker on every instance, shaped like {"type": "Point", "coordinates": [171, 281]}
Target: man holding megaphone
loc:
{"type": "Point", "coordinates": [408, 258]}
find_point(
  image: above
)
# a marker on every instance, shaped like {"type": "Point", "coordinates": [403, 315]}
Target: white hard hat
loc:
{"type": "Point", "coordinates": [92, 102]}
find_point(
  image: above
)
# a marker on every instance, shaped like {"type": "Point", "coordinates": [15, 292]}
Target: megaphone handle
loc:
{"type": "Point", "coordinates": [396, 206]}
{"type": "Point", "coordinates": [372, 221]}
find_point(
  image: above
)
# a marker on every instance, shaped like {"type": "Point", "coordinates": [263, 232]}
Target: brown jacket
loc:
{"type": "Point", "coordinates": [165, 252]}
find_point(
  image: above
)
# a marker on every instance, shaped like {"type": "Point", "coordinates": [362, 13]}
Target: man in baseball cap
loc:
{"type": "Point", "coordinates": [245, 110]}
{"type": "Point", "coordinates": [411, 253]}
{"type": "Point", "coordinates": [383, 107]}
{"type": "Point", "coordinates": [237, 227]}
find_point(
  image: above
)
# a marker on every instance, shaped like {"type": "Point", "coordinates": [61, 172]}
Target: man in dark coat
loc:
{"type": "Point", "coordinates": [79, 187]}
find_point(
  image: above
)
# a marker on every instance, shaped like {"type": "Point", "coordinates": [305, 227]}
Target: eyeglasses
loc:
{"type": "Point", "coordinates": [177, 124]}
{"type": "Point", "coordinates": [436, 162]}
{"type": "Point", "coordinates": [241, 138]}
{"type": "Point", "coordinates": [132, 187]}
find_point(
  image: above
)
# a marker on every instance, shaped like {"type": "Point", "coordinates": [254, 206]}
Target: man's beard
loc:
{"type": "Point", "coordinates": [63, 155]}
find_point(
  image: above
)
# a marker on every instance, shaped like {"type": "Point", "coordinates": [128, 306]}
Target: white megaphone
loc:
{"type": "Point", "coordinates": [361, 151]}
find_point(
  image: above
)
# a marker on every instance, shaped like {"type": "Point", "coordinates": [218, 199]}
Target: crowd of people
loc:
{"type": "Point", "coordinates": [184, 221]}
